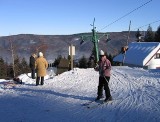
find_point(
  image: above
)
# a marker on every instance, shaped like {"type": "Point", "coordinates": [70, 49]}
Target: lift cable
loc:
{"type": "Point", "coordinates": [147, 24]}
{"type": "Point", "coordinates": [126, 14]}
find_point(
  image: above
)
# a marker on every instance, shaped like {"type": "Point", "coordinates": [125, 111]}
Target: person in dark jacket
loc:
{"type": "Point", "coordinates": [41, 65]}
{"type": "Point", "coordinates": [32, 65]}
{"type": "Point", "coordinates": [104, 68]}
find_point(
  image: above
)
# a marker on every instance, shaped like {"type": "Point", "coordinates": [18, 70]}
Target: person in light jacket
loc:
{"type": "Point", "coordinates": [41, 65]}
{"type": "Point", "coordinates": [104, 68]}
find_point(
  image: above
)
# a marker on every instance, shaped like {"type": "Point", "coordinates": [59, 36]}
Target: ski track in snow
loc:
{"type": "Point", "coordinates": [134, 101]}
{"type": "Point", "coordinates": [135, 93]}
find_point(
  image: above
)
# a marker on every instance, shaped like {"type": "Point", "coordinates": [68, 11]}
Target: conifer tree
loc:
{"type": "Point", "coordinates": [24, 66]}
{"type": "Point", "coordinates": [10, 72]}
{"type": "Point", "coordinates": [157, 35]}
{"type": "Point", "coordinates": [83, 62]}
{"type": "Point", "coordinates": [138, 35]}
{"type": "Point", "coordinates": [69, 57]}
{"type": "Point", "coordinates": [149, 35]}
{"type": "Point", "coordinates": [3, 69]}
{"type": "Point", "coordinates": [17, 66]}
{"type": "Point", "coordinates": [110, 58]}
{"type": "Point", "coordinates": [92, 61]}
{"type": "Point", "coordinates": [57, 60]}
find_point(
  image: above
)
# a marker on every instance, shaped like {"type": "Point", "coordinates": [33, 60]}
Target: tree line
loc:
{"type": "Point", "coordinates": [21, 66]}
{"type": "Point", "coordinates": [8, 71]}
{"type": "Point", "coordinates": [149, 35]}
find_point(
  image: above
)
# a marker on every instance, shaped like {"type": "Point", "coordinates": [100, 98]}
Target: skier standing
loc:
{"type": "Point", "coordinates": [104, 68]}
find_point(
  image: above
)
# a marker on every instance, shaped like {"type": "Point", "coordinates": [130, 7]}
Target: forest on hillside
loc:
{"type": "Point", "coordinates": [20, 65]}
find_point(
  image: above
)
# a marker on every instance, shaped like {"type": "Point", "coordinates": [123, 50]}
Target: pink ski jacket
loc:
{"type": "Point", "coordinates": [104, 68]}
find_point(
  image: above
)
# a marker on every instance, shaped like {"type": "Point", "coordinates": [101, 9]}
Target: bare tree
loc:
{"type": "Point", "coordinates": [12, 49]}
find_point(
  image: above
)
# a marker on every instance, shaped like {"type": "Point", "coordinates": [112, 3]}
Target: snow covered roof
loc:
{"type": "Point", "coordinates": [139, 53]}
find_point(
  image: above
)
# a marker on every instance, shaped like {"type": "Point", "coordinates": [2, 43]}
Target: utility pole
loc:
{"type": "Point", "coordinates": [129, 32]}
{"type": "Point", "coordinates": [125, 48]}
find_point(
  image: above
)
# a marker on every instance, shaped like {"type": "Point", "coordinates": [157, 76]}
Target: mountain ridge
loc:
{"type": "Point", "coordinates": [54, 45]}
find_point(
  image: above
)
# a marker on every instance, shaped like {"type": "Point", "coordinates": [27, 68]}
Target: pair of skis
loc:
{"type": "Point", "coordinates": [95, 104]}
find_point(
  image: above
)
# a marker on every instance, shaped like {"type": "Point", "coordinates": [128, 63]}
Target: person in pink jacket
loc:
{"type": "Point", "coordinates": [104, 68]}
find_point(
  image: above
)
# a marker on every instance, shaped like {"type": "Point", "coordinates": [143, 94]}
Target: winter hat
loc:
{"type": "Point", "coordinates": [40, 54]}
{"type": "Point", "coordinates": [101, 52]}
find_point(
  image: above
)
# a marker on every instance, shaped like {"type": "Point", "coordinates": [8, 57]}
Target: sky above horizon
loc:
{"type": "Point", "coordinates": [63, 17]}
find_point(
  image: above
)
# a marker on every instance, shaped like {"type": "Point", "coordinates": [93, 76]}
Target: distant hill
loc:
{"type": "Point", "coordinates": [54, 45]}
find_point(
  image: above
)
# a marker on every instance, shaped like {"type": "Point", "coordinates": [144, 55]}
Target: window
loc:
{"type": "Point", "coordinates": [158, 55]}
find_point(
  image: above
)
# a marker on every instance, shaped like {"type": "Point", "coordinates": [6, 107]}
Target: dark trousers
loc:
{"type": "Point", "coordinates": [104, 82]}
{"type": "Point", "coordinates": [33, 73]}
{"type": "Point", "coordinates": [42, 80]}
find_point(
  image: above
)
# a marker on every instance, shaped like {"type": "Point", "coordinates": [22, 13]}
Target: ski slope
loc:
{"type": "Point", "coordinates": [135, 92]}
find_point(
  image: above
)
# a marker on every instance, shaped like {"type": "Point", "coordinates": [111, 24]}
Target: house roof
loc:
{"type": "Point", "coordinates": [139, 53]}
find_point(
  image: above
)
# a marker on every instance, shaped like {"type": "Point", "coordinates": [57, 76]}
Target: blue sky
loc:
{"type": "Point", "coordinates": [58, 17]}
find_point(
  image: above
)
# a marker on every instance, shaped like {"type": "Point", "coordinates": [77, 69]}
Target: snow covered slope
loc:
{"type": "Point", "coordinates": [135, 91]}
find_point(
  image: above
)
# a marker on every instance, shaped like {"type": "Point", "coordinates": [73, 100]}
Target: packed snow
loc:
{"type": "Point", "coordinates": [136, 94]}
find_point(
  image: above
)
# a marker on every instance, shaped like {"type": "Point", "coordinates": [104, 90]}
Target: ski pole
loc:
{"type": "Point", "coordinates": [105, 79]}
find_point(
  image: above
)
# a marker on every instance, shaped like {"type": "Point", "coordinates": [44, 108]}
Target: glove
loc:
{"type": "Point", "coordinates": [96, 67]}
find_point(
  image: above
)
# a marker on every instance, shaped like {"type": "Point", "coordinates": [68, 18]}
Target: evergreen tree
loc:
{"type": "Point", "coordinates": [17, 66]}
{"type": "Point", "coordinates": [138, 35]}
{"type": "Point", "coordinates": [110, 58]}
{"type": "Point", "coordinates": [83, 62]}
{"type": "Point", "coordinates": [57, 60]}
{"type": "Point", "coordinates": [3, 69]}
{"type": "Point", "coordinates": [157, 35]}
{"type": "Point", "coordinates": [10, 72]}
{"type": "Point", "coordinates": [69, 57]}
{"type": "Point", "coordinates": [92, 61]}
{"type": "Point", "coordinates": [24, 66]}
{"type": "Point", "coordinates": [149, 35]}
{"type": "Point", "coordinates": [6, 67]}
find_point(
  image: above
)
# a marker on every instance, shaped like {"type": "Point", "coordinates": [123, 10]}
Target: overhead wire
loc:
{"type": "Point", "coordinates": [126, 14]}
{"type": "Point", "coordinates": [147, 24]}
